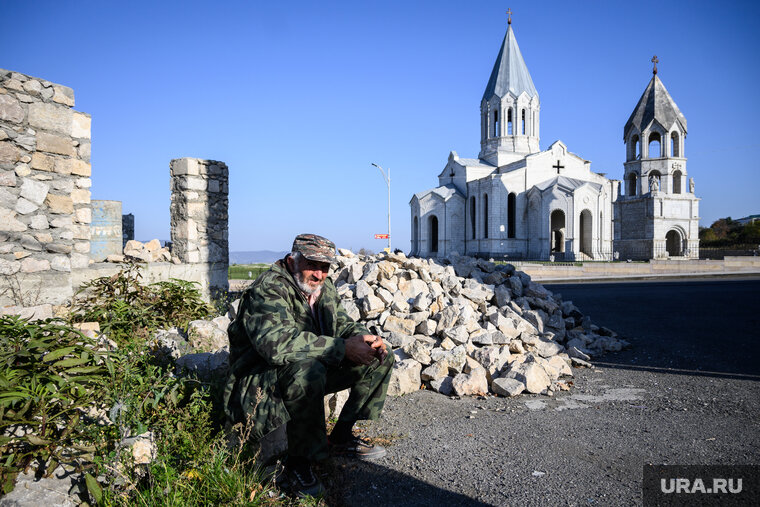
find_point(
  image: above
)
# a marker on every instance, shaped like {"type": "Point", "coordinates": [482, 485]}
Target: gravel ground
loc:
{"type": "Point", "coordinates": [583, 447]}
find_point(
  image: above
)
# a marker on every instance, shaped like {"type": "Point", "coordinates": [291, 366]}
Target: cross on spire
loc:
{"type": "Point", "coordinates": [655, 61]}
{"type": "Point", "coordinates": [509, 16]}
{"type": "Point", "coordinates": [558, 167]}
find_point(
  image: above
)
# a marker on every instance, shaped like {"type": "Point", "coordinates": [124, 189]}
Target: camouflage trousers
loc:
{"type": "Point", "coordinates": [303, 386]}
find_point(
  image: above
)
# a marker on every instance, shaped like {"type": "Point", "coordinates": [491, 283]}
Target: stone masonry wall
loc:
{"type": "Point", "coordinates": [44, 189]}
{"type": "Point", "coordinates": [199, 207]}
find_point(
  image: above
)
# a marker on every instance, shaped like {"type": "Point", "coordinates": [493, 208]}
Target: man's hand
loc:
{"type": "Point", "coordinates": [363, 348]}
{"type": "Point", "coordinates": [379, 345]}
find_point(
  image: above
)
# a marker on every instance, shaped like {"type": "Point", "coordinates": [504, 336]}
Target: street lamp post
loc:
{"type": "Point", "coordinates": [387, 179]}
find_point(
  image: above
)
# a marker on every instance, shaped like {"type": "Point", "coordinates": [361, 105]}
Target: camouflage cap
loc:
{"type": "Point", "coordinates": [315, 248]}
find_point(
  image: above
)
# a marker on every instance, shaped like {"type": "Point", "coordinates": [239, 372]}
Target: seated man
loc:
{"type": "Point", "coordinates": [293, 342]}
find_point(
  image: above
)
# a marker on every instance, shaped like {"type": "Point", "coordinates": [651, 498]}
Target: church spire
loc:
{"type": "Point", "coordinates": [510, 74]}
{"type": "Point", "coordinates": [510, 106]}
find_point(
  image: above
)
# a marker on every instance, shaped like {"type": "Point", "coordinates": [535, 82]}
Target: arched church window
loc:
{"type": "Point", "coordinates": [485, 216]}
{"type": "Point", "coordinates": [633, 148]}
{"type": "Point", "coordinates": [509, 121]}
{"type": "Point", "coordinates": [675, 150]}
{"type": "Point", "coordinates": [511, 209]}
{"type": "Point", "coordinates": [416, 236]}
{"type": "Point", "coordinates": [630, 184]}
{"type": "Point", "coordinates": [522, 122]}
{"type": "Point", "coordinates": [496, 123]}
{"type": "Point", "coordinates": [472, 216]}
{"type": "Point", "coordinates": [654, 145]}
{"type": "Point", "coordinates": [433, 234]}
{"type": "Point", "coordinates": [677, 176]}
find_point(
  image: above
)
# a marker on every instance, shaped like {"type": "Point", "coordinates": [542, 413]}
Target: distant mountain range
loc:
{"type": "Point", "coordinates": [267, 256]}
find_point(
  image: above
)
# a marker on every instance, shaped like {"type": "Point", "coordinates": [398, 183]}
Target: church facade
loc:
{"type": "Point", "coordinates": [517, 202]}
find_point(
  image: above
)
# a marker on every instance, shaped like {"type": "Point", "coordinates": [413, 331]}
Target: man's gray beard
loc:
{"type": "Point", "coordinates": [305, 287]}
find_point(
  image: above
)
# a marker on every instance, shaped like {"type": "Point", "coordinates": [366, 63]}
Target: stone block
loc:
{"type": "Point", "coordinates": [80, 196]}
{"type": "Point", "coordinates": [79, 261]}
{"type": "Point", "coordinates": [34, 191]}
{"type": "Point", "coordinates": [23, 170]}
{"type": "Point", "coordinates": [33, 87]}
{"type": "Point", "coordinates": [81, 125]}
{"type": "Point", "coordinates": [405, 377]}
{"type": "Point", "coordinates": [80, 168]}
{"type": "Point", "coordinates": [7, 179]}
{"type": "Point", "coordinates": [9, 223]}
{"type": "Point", "coordinates": [24, 207]}
{"type": "Point", "coordinates": [42, 162]}
{"type": "Point", "coordinates": [60, 204]}
{"type": "Point", "coordinates": [9, 154]}
{"type": "Point", "coordinates": [213, 186]}
{"type": "Point", "coordinates": [32, 265]}
{"type": "Point", "coordinates": [60, 263]}
{"type": "Point", "coordinates": [10, 109]}
{"type": "Point", "coordinates": [52, 143]}
{"type": "Point", "coordinates": [39, 222]}
{"type": "Point", "coordinates": [50, 117]}
{"type": "Point", "coordinates": [83, 215]}
{"type": "Point", "coordinates": [83, 182]}
{"type": "Point", "coordinates": [185, 166]}
{"type": "Point", "coordinates": [193, 183]}
{"type": "Point", "coordinates": [82, 246]}
{"type": "Point", "coordinates": [63, 95]}
{"type": "Point", "coordinates": [9, 267]}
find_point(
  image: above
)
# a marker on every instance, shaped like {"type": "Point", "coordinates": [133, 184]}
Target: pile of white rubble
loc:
{"type": "Point", "coordinates": [466, 326]}
{"type": "Point", "coordinates": [142, 252]}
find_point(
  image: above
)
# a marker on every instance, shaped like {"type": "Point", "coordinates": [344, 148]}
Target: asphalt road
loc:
{"type": "Point", "coordinates": [687, 392]}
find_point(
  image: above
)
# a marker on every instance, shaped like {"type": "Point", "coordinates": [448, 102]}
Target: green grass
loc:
{"type": "Point", "coordinates": [240, 271]}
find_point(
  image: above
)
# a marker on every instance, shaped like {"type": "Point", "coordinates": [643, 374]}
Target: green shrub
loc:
{"type": "Point", "coordinates": [127, 310]}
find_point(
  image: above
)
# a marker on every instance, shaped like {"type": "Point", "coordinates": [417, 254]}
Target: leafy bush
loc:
{"type": "Point", "coordinates": [50, 374]}
{"type": "Point", "coordinates": [128, 310]}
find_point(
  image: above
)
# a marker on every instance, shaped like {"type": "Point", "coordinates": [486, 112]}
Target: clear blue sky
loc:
{"type": "Point", "coordinates": [299, 98]}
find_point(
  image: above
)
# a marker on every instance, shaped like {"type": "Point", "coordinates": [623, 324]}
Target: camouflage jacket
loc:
{"type": "Point", "coordinates": [275, 326]}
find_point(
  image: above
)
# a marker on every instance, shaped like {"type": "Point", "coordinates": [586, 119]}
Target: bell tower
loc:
{"type": "Point", "coordinates": [509, 109]}
{"type": "Point", "coordinates": [657, 211]}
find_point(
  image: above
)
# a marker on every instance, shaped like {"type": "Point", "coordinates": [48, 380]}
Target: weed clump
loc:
{"type": "Point", "coordinates": [66, 398]}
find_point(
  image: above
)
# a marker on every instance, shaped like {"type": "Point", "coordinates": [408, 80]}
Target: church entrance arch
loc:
{"type": "Point", "coordinates": [586, 233]}
{"type": "Point", "coordinates": [433, 234]}
{"type": "Point", "coordinates": [674, 243]}
{"type": "Point", "coordinates": [557, 227]}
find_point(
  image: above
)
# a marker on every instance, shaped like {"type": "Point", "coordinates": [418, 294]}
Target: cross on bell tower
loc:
{"type": "Point", "coordinates": [655, 61]}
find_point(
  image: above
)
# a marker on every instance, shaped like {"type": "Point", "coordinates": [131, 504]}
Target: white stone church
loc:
{"type": "Point", "coordinates": [517, 202]}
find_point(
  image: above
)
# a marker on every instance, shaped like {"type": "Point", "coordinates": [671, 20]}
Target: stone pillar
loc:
{"type": "Point", "coordinates": [199, 231]}
{"type": "Point", "coordinates": [44, 190]}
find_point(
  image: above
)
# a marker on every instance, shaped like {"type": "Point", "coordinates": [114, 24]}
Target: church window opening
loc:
{"type": "Point", "coordinates": [630, 184]}
{"type": "Point", "coordinates": [485, 216]}
{"type": "Point", "coordinates": [557, 227]}
{"type": "Point", "coordinates": [677, 177]}
{"type": "Point", "coordinates": [633, 148]}
{"type": "Point", "coordinates": [472, 216]}
{"type": "Point", "coordinates": [674, 243]}
{"type": "Point", "coordinates": [586, 232]}
{"type": "Point", "coordinates": [496, 124]}
{"type": "Point", "coordinates": [522, 122]}
{"type": "Point", "coordinates": [675, 150]}
{"type": "Point", "coordinates": [654, 145]}
{"type": "Point", "coordinates": [509, 121]}
{"type": "Point", "coordinates": [416, 236]}
{"type": "Point", "coordinates": [433, 235]}
{"type": "Point", "coordinates": [511, 210]}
